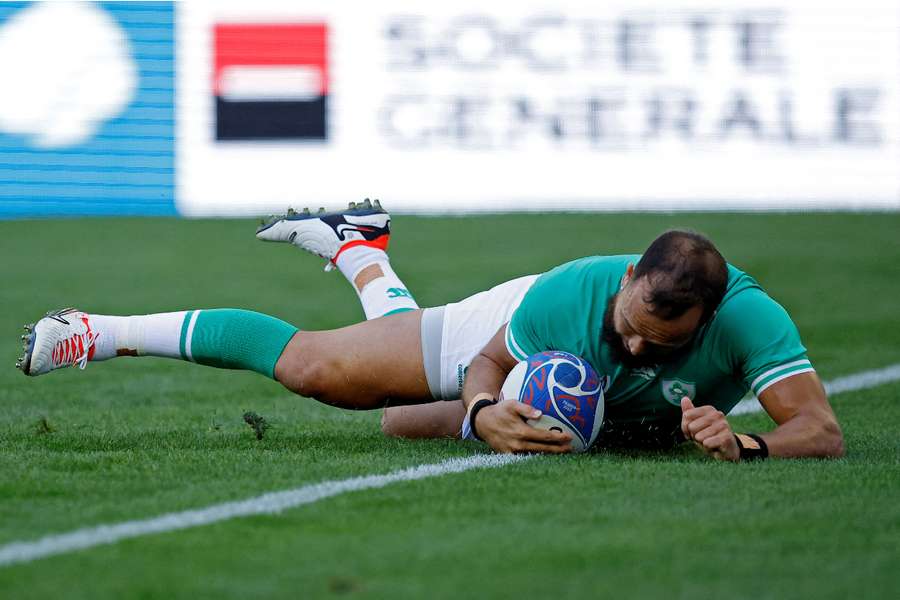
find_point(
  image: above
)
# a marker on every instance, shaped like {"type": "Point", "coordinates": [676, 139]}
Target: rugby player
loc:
{"type": "Point", "coordinates": [679, 335]}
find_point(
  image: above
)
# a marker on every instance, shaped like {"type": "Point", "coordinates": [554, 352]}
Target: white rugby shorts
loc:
{"type": "Point", "coordinates": [452, 335]}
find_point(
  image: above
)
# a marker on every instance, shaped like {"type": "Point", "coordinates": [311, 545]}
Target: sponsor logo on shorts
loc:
{"type": "Point", "coordinates": [461, 371]}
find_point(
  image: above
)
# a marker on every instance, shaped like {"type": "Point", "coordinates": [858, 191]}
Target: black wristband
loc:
{"type": "Point", "coordinates": [474, 411]}
{"type": "Point", "coordinates": [752, 446]}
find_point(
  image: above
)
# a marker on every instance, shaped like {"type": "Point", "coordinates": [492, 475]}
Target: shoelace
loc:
{"type": "Point", "coordinates": [74, 350]}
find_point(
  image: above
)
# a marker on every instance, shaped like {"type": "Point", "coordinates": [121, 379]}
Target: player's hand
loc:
{"type": "Point", "coordinates": [709, 429]}
{"type": "Point", "coordinates": [503, 426]}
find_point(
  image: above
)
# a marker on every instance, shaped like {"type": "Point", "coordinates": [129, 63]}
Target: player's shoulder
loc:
{"type": "Point", "coordinates": [564, 308]}
{"type": "Point", "coordinates": [590, 270]}
{"type": "Point", "coordinates": [753, 336]}
{"type": "Point", "coordinates": [582, 286]}
{"type": "Point", "coordinates": [743, 296]}
{"type": "Point", "coordinates": [747, 310]}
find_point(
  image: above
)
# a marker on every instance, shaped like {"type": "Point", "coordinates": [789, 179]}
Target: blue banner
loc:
{"type": "Point", "coordinates": [87, 119]}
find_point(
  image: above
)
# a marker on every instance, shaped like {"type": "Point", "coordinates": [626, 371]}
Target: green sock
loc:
{"type": "Point", "coordinates": [231, 338]}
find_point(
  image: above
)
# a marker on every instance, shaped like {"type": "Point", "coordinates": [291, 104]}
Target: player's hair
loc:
{"type": "Point", "coordinates": [684, 269]}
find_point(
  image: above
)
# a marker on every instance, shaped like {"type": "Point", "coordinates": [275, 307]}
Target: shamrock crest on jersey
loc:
{"type": "Point", "coordinates": [673, 390]}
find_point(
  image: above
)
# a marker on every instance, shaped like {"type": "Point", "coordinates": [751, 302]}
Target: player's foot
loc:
{"type": "Point", "coordinates": [327, 234]}
{"type": "Point", "coordinates": [63, 338]}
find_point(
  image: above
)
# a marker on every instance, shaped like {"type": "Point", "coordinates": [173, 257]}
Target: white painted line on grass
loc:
{"type": "Point", "coordinates": [20, 552]}
{"type": "Point", "coordinates": [848, 383]}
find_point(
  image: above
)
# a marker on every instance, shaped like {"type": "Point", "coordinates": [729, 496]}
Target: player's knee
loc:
{"type": "Point", "coordinates": [307, 376]}
{"type": "Point", "coordinates": [312, 366]}
{"type": "Point", "coordinates": [307, 369]}
{"type": "Point", "coordinates": [328, 381]}
{"type": "Point", "coordinates": [313, 379]}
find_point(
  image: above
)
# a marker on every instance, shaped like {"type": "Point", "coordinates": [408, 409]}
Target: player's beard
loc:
{"type": "Point", "coordinates": [620, 352]}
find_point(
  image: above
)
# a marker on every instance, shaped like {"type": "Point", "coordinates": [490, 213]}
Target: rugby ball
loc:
{"type": "Point", "coordinates": [567, 391]}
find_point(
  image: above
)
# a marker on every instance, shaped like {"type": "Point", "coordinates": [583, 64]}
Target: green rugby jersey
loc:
{"type": "Point", "coordinates": [749, 344]}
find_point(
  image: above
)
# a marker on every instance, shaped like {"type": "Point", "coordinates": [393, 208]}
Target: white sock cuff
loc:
{"type": "Point", "coordinates": [353, 260]}
{"type": "Point", "coordinates": [158, 335]}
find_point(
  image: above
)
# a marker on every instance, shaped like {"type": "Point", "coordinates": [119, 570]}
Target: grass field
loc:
{"type": "Point", "coordinates": [135, 438]}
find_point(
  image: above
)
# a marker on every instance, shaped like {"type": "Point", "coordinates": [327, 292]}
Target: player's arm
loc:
{"type": "Point", "coordinates": [806, 425]}
{"type": "Point", "coordinates": [760, 341]}
{"type": "Point", "coordinates": [502, 425]}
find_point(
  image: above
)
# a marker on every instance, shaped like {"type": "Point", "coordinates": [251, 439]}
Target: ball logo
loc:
{"type": "Point", "coordinates": [573, 389]}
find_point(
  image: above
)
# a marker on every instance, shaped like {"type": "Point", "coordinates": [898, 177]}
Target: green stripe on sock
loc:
{"type": "Point", "coordinates": [398, 310]}
{"type": "Point", "coordinates": [182, 343]}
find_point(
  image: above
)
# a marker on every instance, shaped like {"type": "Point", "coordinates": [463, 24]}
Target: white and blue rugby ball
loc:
{"type": "Point", "coordinates": [567, 391]}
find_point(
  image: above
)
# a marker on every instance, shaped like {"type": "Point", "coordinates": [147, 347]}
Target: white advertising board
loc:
{"type": "Point", "coordinates": [467, 106]}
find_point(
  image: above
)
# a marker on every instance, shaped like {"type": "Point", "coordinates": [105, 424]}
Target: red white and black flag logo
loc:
{"type": "Point", "coordinates": [271, 81]}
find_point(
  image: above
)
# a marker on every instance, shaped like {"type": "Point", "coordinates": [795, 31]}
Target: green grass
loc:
{"type": "Point", "coordinates": [137, 438]}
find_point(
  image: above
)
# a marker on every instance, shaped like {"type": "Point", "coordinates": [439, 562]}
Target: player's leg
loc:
{"type": "Point", "coordinates": [367, 365]}
{"type": "Point", "coordinates": [355, 241]}
{"type": "Point", "coordinates": [360, 367]}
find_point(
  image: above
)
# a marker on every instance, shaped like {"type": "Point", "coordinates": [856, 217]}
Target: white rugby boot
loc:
{"type": "Point", "coordinates": [327, 234]}
{"type": "Point", "coordinates": [63, 338]}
